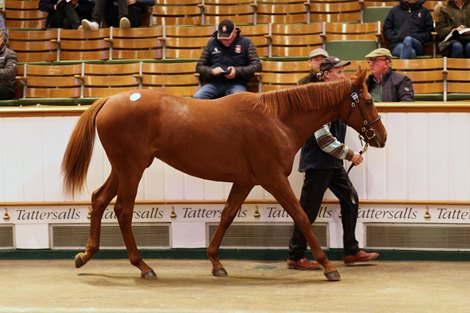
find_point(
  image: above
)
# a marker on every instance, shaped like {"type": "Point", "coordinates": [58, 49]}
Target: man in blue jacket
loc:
{"type": "Point", "coordinates": [408, 27]}
{"type": "Point", "coordinates": [227, 63]}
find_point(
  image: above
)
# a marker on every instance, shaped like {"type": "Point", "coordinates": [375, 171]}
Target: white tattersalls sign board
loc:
{"type": "Point", "coordinates": [32, 224]}
{"type": "Point", "coordinates": [377, 213]}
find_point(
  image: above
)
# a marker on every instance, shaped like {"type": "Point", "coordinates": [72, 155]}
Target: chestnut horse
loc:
{"type": "Point", "coordinates": [246, 138]}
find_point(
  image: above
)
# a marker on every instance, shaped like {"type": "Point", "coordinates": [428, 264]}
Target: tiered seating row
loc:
{"type": "Point", "coordinates": [437, 79]}
{"type": "Point", "coordinates": [25, 13]}
{"type": "Point", "coordinates": [200, 12]}
{"type": "Point", "coordinates": [80, 83]}
{"type": "Point", "coordinates": [253, 12]}
{"type": "Point", "coordinates": [184, 42]}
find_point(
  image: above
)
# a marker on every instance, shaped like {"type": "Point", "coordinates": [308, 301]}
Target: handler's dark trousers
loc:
{"type": "Point", "coordinates": [316, 182]}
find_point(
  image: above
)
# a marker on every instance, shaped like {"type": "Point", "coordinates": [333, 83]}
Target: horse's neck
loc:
{"type": "Point", "coordinates": [303, 125]}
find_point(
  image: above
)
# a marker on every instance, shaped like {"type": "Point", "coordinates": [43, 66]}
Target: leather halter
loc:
{"type": "Point", "coordinates": [366, 133]}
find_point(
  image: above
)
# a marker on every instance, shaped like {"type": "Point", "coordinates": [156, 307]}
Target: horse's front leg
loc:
{"type": "Point", "coordinates": [124, 210]}
{"type": "Point", "coordinates": [235, 199]}
{"type": "Point", "coordinates": [282, 191]}
{"type": "Point", "coordinates": [99, 202]}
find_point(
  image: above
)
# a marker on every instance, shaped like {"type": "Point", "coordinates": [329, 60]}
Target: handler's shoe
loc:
{"type": "Point", "coordinates": [361, 256]}
{"type": "Point", "coordinates": [303, 264]}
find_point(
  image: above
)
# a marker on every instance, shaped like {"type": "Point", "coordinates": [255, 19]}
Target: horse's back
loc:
{"type": "Point", "coordinates": [213, 139]}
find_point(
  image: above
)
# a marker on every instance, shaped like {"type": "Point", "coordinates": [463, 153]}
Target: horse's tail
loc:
{"type": "Point", "coordinates": [78, 153]}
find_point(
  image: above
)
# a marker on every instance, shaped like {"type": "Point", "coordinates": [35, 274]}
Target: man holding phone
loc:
{"type": "Point", "coordinates": [227, 63]}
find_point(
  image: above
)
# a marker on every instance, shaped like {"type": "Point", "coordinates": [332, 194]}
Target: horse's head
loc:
{"type": "Point", "coordinates": [361, 113]}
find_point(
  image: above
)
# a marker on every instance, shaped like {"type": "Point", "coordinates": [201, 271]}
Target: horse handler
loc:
{"type": "Point", "coordinates": [321, 159]}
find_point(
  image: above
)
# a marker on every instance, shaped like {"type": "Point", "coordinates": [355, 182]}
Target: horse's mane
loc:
{"type": "Point", "coordinates": [309, 97]}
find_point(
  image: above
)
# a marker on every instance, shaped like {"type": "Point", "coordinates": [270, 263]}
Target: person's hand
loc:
{"type": "Point", "coordinates": [357, 159]}
{"type": "Point", "coordinates": [232, 73]}
{"type": "Point", "coordinates": [129, 2]}
{"type": "Point", "coordinates": [217, 70]}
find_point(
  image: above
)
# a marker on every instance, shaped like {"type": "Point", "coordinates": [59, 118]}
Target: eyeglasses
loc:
{"type": "Point", "coordinates": [374, 60]}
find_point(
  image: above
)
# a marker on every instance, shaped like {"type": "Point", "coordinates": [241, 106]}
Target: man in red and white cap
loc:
{"type": "Point", "coordinates": [227, 63]}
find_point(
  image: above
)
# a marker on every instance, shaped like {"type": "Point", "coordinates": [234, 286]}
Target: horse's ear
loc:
{"type": "Point", "coordinates": [360, 75]}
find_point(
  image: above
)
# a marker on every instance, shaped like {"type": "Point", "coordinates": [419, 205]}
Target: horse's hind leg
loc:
{"type": "Point", "coordinates": [283, 193]}
{"type": "Point", "coordinates": [124, 210]}
{"type": "Point", "coordinates": [235, 199]}
{"type": "Point", "coordinates": [99, 202]}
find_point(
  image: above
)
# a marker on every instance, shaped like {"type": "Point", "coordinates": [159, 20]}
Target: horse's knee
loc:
{"type": "Point", "coordinates": [302, 221]}
{"type": "Point", "coordinates": [118, 209]}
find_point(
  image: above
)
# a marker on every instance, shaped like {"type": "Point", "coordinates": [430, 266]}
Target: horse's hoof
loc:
{"type": "Point", "coordinates": [333, 276]}
{"type": "Point", "coordinates": [149, 275]}
{"type": "Point", "coordinates": [219, 272]}
{"type": "Point", "coordinates": [79, 261]}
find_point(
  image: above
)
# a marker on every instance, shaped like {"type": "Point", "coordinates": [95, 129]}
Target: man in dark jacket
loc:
{"type": "Point", "coordinates": [384, 84]}
{"type": "Point", "coordinates": [227, 63]}
{"type": "Point", "coordinates": [321, 158]}
{"type": "Point", "coordinates": [7, 70]}
{"type": "Point", "coordinates": [65, 13]}
{"type": "Point", "coordinates": [315, 57]}
{"type": "Point", "coordinates": [408, 26]}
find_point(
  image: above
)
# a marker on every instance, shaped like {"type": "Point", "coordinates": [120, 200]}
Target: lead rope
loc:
{"type": "Point", "coordinates": [364, 149]}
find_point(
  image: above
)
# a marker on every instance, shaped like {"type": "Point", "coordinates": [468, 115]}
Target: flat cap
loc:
{"type": "Point", "coordinates": [380, 52]}
{"type": "Point", "coordinates": [317, 52]}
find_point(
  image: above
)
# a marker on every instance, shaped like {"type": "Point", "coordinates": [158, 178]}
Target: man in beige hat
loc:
{"type": "Point", "coordinates": [384, 84]}
{"type": "Point", "coordinates": [314, 59]}
{"type": "Point", "coordinates": [321, 159]}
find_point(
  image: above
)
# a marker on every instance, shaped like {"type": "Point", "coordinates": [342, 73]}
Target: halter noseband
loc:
{"type": "Point", "coordinates": [366, 133]}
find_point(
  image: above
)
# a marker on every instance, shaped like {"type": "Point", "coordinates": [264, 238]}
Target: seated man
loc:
{"type": "Point", "coordinates": [408, 26]}
{"type": "Point", "coordinates": [315, 57]}
{"type": "Point", "coordinates": [384, 84]}
{"type": "Point", "coordinates": [227, 63]}
{"type": "Point", "coordinates": [7, 70]}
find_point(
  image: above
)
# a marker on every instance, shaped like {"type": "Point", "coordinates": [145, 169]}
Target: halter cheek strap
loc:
{"type": "Point", "coordinates": [366, 133]}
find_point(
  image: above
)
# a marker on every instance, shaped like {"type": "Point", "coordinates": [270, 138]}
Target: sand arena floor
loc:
{"type": "Point", "coordinates": [114, 286]}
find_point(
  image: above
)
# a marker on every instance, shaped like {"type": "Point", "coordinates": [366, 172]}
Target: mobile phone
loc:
{"type": "Point", "coordinates": [226, 71]}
